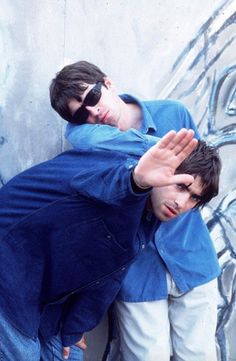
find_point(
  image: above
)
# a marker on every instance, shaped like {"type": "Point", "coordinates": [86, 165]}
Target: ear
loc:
{"type": "Point", "coordinates": [109, 84]}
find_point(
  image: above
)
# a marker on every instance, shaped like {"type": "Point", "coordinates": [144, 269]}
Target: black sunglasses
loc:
{"type": "Point", "coordinates": [91, 99]}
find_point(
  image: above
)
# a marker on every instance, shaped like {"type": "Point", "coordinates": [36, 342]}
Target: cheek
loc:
{"type": "Point", "coordinates": [108, 100]}
{"type": "Point", "coordinates": [161, 194]}
{"type": "Point", "coordinates": [156, 201]}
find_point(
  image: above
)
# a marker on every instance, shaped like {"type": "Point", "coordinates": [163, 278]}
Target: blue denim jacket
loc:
{"type": "Point", "coordinates": [65, 244]}
{"type": "Point", "coordinates": [182, 246]}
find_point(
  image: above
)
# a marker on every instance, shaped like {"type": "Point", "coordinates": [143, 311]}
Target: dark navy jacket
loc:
{"type": "Point", "coordinates": [63, 252]}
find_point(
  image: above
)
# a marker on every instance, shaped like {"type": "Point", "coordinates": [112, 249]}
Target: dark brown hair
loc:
{"type": "Point", "coordinates": [204, 162]}
{"type": "Point", "coordinates": [70, 83]}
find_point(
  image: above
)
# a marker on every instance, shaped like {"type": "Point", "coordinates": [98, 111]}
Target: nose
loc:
{"type": "Point", "coordinates": [182, 200]}
{"type": "Point", "coordinates": [94, 111]}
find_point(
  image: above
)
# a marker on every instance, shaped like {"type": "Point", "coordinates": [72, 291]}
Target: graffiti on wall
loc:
{"type": "Point", "coordinates": [204, 78]}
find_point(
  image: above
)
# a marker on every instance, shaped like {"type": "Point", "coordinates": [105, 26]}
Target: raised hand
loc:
{"type": "Point", "coordinates": [157, 166]}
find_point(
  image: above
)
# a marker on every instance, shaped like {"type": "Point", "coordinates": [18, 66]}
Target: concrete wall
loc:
{"type": "Point", "coordinates": [178, 49]}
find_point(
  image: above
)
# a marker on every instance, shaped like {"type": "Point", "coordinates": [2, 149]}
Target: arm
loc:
{"type": "Point", "coordinates": [105, 137]}
{"type": "Point", "coordinates": [154, 169]}
{"type": "Point", "coordinates": [85, 311]}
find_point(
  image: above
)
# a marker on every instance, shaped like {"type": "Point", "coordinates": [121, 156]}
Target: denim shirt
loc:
{"type": "Point", "coordinates": [189, 256]}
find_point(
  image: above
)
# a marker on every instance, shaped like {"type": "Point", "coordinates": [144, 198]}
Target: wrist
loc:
{"type": "Point", "coordinates": [137, 183]}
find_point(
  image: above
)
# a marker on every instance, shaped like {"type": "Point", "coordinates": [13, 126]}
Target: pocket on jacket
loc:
{"type": "Point", "coordinates": [95, 232]}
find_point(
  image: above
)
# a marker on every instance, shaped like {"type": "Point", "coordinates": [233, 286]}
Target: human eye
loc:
{"type": "Point", "coordinates": [195, 198]}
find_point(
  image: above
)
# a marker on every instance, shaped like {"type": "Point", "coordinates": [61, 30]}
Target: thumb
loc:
{"type": "Point", "coordinates": [66, 353]}
{"type": "Point", "coordinates": [81, 344]}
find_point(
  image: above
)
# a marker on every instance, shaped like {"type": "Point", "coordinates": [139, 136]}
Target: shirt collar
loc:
{"type": "Point", "coordinates": [147, 123]}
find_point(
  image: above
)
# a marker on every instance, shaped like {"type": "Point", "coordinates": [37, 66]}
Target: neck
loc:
{"type": "Point", "coordinates": [130, 116]}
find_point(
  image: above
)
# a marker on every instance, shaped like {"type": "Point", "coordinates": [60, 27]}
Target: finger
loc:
{"type": "Point", "coordinates": [81, 344]}
{"type": "Point", "coordinates": [182, 140]}
{"type": "Point", "coordinates": [184, 153]}
{"type": "Point", "coordinates": [176, 140]}
{"type": "Point", "coordinates": [181, 179]}
{"type": "Point", "coordinates": [66, 353]}
{"type": "Point", "coordinates": [167, 139]}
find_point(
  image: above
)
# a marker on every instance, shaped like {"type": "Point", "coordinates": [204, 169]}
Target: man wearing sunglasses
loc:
{"type": "Point", "coordinates": [177, 283]}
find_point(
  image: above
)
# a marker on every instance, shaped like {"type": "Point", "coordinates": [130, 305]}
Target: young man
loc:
{"type": "Point", "coordinates": [82, 93]}
{"type": "Point", "coordinates": [65, 244]}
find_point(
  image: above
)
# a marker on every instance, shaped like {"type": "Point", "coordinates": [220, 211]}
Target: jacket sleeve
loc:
{"type": "Point", "coordinates": [107, 177]}
{"type": "Point", "coordinates": [105, 137]}
{"type": "Point", "coordinates": [85, 310]}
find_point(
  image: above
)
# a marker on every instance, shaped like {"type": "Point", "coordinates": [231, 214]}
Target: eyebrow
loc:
{"type": "Point", "coordinates": [184, 186]}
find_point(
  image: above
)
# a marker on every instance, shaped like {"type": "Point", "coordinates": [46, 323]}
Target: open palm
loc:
{"type": "Point", "coordinates": [157, 166]}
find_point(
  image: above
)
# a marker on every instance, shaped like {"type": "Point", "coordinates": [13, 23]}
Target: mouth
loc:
{"type": "Point", "coordinates": [170, 211]}
{"type": "Point", "coordinates": [104, 116]}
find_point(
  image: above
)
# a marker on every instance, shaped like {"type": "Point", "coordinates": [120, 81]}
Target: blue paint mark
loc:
{"type": "Point", "coordinates": [211, 41]}
{"type": "Point", "coordinates": [192, 88]}
{"type": "Point", "coordinates": [214, 97]}
{"type": "Point", "coordinates": [202, 30]}
{"type": "Point", "coordinates": [222, 137]}
{"type": "Point", "coordinates": [231, 104]}
{"type": "Point", "coordinates": [2, 141]}
{"type": "Point", "coordinates": [7, 71]}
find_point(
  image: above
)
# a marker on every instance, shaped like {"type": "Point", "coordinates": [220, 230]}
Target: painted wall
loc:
{"type": "Point", "coordinates": [174, 48]}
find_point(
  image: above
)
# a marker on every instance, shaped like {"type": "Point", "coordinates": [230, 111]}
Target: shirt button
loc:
{"type": "Point", "coordinates": [108, 236]}
{"type": "Point", "coordinates": [123, 269]}
{"type": "Point", "coordinates": [98, 282]}
{"type": "Point", "coordinates": [143, 246]}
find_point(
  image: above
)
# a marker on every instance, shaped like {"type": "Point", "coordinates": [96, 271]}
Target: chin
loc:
{"type": "Point", "coordinates": [160, 216]}
{"type": "Point", "coordinates": [164, 219]}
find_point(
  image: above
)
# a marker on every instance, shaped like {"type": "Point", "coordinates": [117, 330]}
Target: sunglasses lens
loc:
{"type": "Point", "coordinates": [91, 99]}
{"type": "Point", "coordinates": [80, 116]}
{"type": "Point", "coordinates": [94, 95]}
